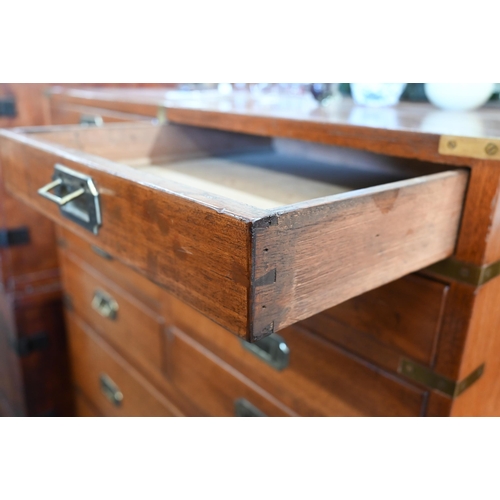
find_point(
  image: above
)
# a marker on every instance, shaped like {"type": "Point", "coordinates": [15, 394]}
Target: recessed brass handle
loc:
{"type": "Point", "coordinates": [60, 200]}
{"type": "Point", "coordinates": [110, 390]}
{"type": "Point", "coordinates": [76, 195]}
{"type": "Point", "coordinates": [93, 120]}
{"type": "Point", "coordinates": [243, 408]}
{"type": "Point", "coordinates": [273, 350]}
{"type": "Point", "coordinates": [105, 305]}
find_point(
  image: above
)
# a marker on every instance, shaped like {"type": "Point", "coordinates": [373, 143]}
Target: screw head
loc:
{"type": "Point", "coordinates": [452, 144]}
{"type": "Point", "coordinates": [491, 149]}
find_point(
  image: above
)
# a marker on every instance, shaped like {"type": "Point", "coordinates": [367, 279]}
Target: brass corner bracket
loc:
{"type": "Point", "coordinates": [161, 115]}
{"type": "Point", "coordinates": [435, 382]}
{"type": "Point", "coordinates": [470, 147]}
{"type": "Point", "coordinates": [464, 272]}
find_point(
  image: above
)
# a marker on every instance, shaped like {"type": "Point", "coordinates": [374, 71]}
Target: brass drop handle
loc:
{"type": "Point", "coordinates": [105, 305]}
{"type": "Point", "coordinates": [60, 200]}
{"type": "Point", "coordinates": [110, 390]}
{"type": "Point", "coordinates": [273, 350]}
{"type": "Point", "coordinates": [94, 120]}
{"type": "Point", "coordinates": [243, 408]}
{"type": "Point", "coordinates": [76, 195]}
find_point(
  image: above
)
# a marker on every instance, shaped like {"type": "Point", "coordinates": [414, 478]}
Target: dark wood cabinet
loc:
{"type": "Point", "coordinates": [33, 358]}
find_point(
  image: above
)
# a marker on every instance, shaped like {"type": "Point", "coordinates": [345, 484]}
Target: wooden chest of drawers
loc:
{"type": "Point", "coordinates": [176, 239]}
{"type": "Point", "coordinates": [199, 365]}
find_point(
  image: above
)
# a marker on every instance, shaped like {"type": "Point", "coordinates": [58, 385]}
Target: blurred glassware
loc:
{"type": "Point", "coordinates": [196, 86]}
{"type": "Point", "coordinates": [240, 87]}
{"type": "Point", "coordinates": [294, 89]}
{"type": "Point", "coordinates": [325, 93]}
{"type": "Point", "coordinates": [225, 88]}
{"type": "Point", "coordinates": [260, 88]}
{"type": "Point", "coordinates": [377, 94]}
{"type": "Point", "coordinates": [459, 96]}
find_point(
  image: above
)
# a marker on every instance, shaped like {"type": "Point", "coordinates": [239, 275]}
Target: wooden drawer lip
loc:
{"type": "Point", "coordinates": [85, 97]}
{"type": "Point", "coordinates": [108, 116]}
{"type": "Point", "coordinates": [257, 292]}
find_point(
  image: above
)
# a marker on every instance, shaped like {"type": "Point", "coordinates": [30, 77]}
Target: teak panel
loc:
{"type": "Point", "coordinates": [25, 265]}
{"type": "Point", "coordinates": [191, 248]}
{"type": "Point", "coordinates": [72, 115]}
{"type": "Point", "coordinates": [402, 318]}
{"type": "Point", "coordinates": [83, 407]}
{"type": "Point", "coordinates": [212, 384]}
{"type": "Point", "coordinates": [115, 271]}
{"type": "Point", "coordinates": [321, 380]}
{"type": "Point", "coordinates": [12, 399]}
{"type": "Point", "coordinates": [135, 330]}
{"type": "Point", "coordinates": [251, 270]}
{"type": "Point", "coordinates": [481, 345]}
{"type": "Point", "coordinates": [34, 383]}
{"type": "Point", "coordinates": [323, 254]}
{"type": "Point", "coordinates": [91, 357]}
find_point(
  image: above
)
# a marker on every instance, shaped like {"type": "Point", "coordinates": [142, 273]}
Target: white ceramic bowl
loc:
{"type": "Point", "coordinates": [458, 96]}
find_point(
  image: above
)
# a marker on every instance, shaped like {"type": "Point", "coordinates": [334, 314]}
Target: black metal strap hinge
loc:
{"type": "Point", "coordinates": [435, 382]}
{"type": "Point", "coordinates": [8, 107]}
{"type": "Point", "coordinates": [14, 237]}
{"type": "Point", "coordinates": [26, 345]}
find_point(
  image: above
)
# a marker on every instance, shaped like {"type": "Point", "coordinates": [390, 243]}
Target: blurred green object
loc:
{"type": "Point", "coordinates": [414, 92]}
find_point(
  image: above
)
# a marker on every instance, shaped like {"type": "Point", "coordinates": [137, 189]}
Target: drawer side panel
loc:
{"type": "Point", "coordinates": [322, 254]}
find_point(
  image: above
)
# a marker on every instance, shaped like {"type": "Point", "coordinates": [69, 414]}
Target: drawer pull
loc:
{"type": "Point", "coordinates": [110, 390]}
{"type": "Point", "coordinates": [76, 196]}
{"type": "Point", "coordinates": [60, 200]}
{"type": "Point", "coordinates": [272, 350]}
{"type": "Point", "coordinates": [93, 120]}
{"type": "Point", "coordinates": [243, 408]}
{"type": "Point", "coordinates": [105, 305]}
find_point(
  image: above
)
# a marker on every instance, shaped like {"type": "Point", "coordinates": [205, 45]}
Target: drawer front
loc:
{"type": "Point", "coordinates": [126, 323]}
{"type": "Point", "coordinates": [314, 379]}
{"type": "Point", "coordinates": [106, 265]}
{"type": "Point", "coordinates": [83, 407]}
{"type": "Point", "coordinates": [110, 384]}
{"type": "Point", "coordinates": [252, 270]}
{"type": "Point", "coordinates": [216, 388]}
{"type": "Point", "coordinates": [31, 253]}
{"type": "Point", "coordinates": [401, 319]}
{"type": "Point", "coordinates": [68, 114]}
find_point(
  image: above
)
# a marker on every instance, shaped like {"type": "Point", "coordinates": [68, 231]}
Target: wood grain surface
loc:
{"type": "Point", "coordinates": [319, 254]}
{"type": "Point", "coordinates": [91, 357]}
{"type": "Point", "coordinates": [321, 379]}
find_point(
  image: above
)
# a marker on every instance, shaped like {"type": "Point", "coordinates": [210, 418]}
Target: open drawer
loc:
{"type": "Point", "coordinates": [256, 234]}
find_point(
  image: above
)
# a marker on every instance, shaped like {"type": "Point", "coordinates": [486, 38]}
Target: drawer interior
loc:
{"type": "Point", "coordinates": [266, 179]}
{"type": "Point", "coordinates": [261, 172]}
{"type": "Point", "coordinates": [255, 232]}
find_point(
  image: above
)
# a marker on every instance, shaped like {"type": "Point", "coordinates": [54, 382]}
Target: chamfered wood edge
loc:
{"type": "Point", "coordinates": [276, 301]}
